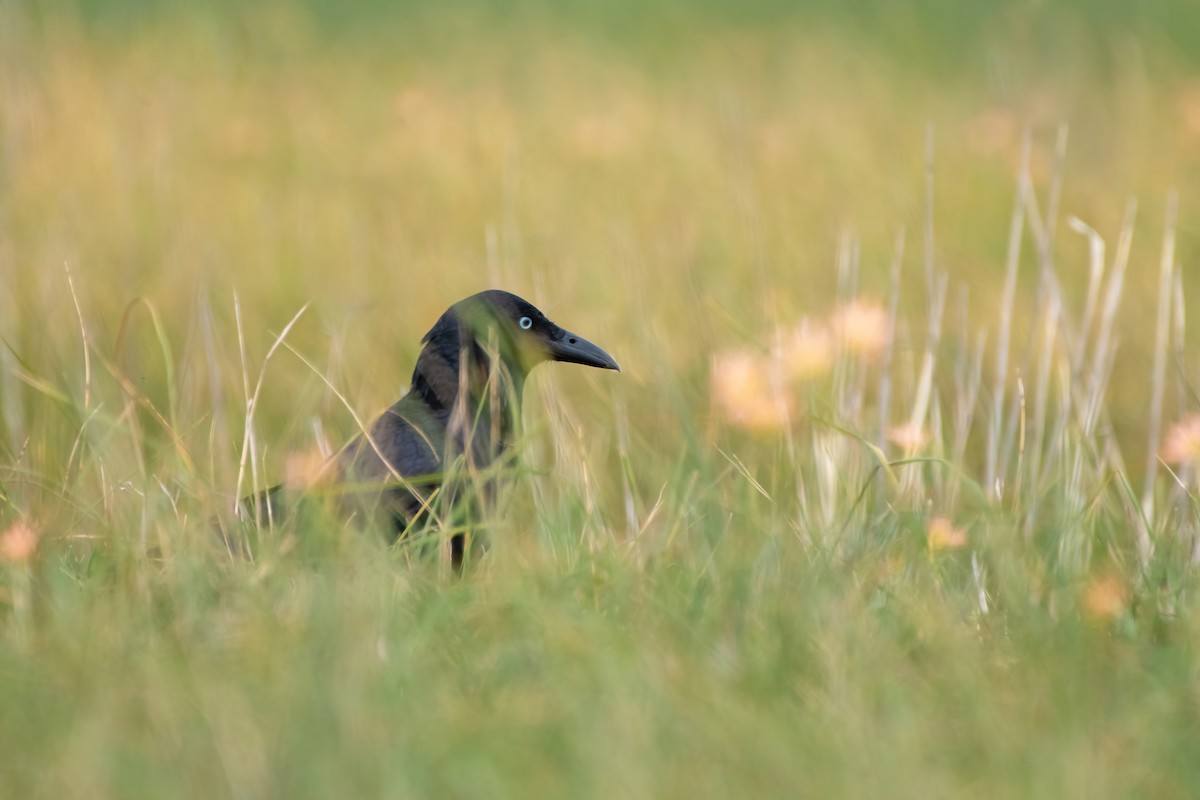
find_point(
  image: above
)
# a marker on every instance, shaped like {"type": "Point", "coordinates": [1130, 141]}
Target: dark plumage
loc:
{"type": "Point", "coordinates": [456, 422]}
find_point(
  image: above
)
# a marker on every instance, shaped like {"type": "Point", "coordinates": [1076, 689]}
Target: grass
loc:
{"type": "Point", "coordinates": [896, 494]}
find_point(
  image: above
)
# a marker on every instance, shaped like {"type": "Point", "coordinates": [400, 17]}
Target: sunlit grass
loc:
{"type": "Point", "coordinates": [894, 497]}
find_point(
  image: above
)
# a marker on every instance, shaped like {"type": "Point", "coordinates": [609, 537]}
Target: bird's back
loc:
{"type": "Point", "coordinates": [415, 449]}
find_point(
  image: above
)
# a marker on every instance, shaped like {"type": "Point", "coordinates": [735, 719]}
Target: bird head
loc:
{"type": "Point", "coordinates": [523, 334]}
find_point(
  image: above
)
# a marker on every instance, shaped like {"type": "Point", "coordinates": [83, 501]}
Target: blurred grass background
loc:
{"type": "Point", "coordinates": [670, 179]}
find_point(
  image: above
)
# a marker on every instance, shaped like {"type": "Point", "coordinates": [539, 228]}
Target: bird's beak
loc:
{"type": "Point", "coordinates": [575, 349]}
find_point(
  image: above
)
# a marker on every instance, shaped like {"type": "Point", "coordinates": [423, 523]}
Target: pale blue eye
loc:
{"type": "Point", "coordinates": [526, 323]}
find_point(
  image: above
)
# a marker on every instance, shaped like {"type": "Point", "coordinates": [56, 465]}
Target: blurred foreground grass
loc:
{"type": "Point", "coordinates": [706, 584]}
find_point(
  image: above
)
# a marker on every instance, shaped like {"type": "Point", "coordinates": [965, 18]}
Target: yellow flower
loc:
{"type": "Point", "coordinates": [18, 543]}
{"type": "Point", "coordinates": [942, 534]}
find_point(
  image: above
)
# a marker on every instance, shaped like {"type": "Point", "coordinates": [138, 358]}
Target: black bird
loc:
{"type": "Point", "coordinates": [444, 440]}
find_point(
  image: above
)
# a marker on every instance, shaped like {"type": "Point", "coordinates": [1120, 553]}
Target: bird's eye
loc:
{"type": "Point", "coordinates": [526, 323]}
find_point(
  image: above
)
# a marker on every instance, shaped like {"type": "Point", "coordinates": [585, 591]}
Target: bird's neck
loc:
{"type": "Point", "coordinates": [445, 368]}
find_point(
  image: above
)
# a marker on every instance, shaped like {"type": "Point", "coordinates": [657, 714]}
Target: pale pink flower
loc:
{"type": "Point", "coordinates": [1189, 109]}
{"type": "Point", "coordinates": [862, 326]}
{"type": "Point", "coordinates": [747, 390]}
{"type": "Point", "coordinates": [1106, 597]}
{"type": "Point", "coordinates": [991, 132]}
{"type": "Point", "coordinates": [305, 470]}
{"type": "Point", "coordinates": [1181, 444]}
{"type": "Point", "coordinates": [804, 351]}
{"type": "Point", "coordinates": [908, 437]}
{"type": "Point", "coordinates": [18, 543]}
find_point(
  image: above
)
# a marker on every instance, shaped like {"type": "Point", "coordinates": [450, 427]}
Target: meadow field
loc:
{"type": "Point", "coordinates": [896, 495]}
